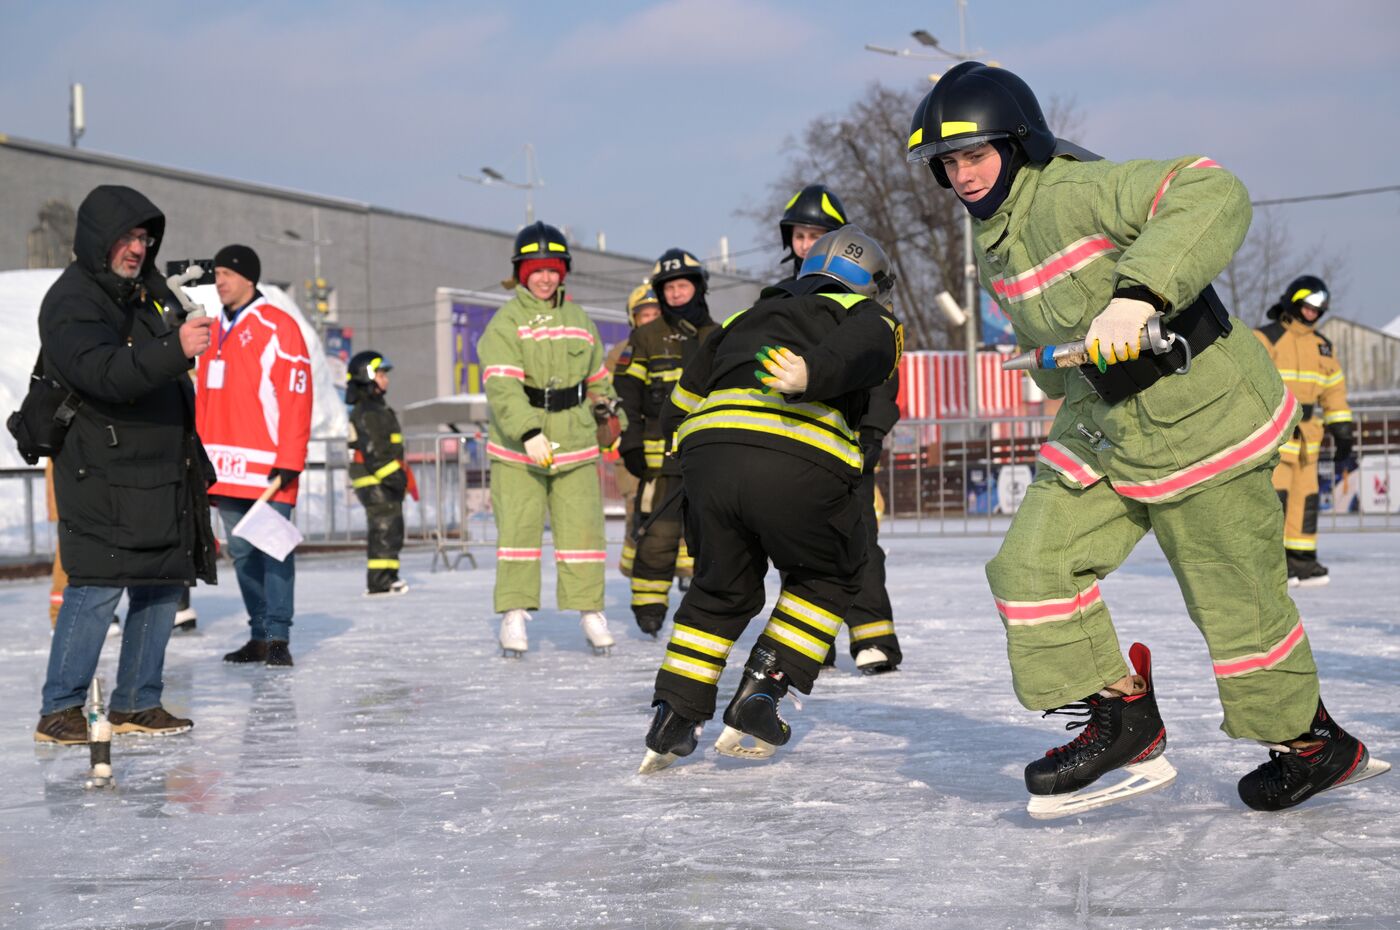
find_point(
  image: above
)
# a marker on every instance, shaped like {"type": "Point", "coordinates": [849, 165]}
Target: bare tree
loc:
{"type": "Point", "coordinates": [1266, 262]}
{"type": "Point", "coordinates": [861, 155]}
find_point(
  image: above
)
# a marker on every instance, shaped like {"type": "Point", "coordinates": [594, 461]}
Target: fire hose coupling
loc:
{"type": "Point", "coordinates": [1154, 337]}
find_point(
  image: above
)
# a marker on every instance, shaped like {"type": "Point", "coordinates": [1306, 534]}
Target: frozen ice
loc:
{"type": "Point", "coordinates": [404, 775]}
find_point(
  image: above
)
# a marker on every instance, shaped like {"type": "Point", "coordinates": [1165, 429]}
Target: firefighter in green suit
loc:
{"type": "Point", "coordinates": [1182, 444]}
{"type": "Point", "coordinates": [541, 357]}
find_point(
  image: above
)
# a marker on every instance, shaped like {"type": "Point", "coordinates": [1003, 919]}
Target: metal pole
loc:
{"type": "Point", "coordinates": [970, 305]}
{"type": "Point", "coordinates": [316, 244]}
{"type": "Point", "coordinates": [529, 184]}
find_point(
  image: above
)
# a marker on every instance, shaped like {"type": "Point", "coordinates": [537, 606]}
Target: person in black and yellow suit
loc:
{"type": "Point", "coordinates": [377, 471]}
{"type": "Point", "coordinates": [1305, 362]}
{"type": "Point", "coordinates": [647, 371]}
{"type": "Point", "coordinates": [771, 462]}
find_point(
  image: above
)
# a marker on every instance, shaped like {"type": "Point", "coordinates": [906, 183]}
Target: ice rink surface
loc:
{"type": "Point", "coordinates": [403, 775]}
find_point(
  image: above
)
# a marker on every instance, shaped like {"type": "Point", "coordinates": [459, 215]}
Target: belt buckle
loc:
{"type": "Point", "coordinates": [547, 391]}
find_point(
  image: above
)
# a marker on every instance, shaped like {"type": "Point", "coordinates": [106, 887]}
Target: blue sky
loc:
{"type": "Point", "coordinates": [655, 122]}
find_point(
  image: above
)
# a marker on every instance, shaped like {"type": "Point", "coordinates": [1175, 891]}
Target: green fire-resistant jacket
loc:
{"type": "Point", "coordinates": [544, 345]}
{"type": "Point", "coordinates": [1067, 236]}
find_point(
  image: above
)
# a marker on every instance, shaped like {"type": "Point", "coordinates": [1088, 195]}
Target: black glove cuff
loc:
{"type": "Point", "coordinates": [530, 434]}
{"type": "Point", "coordinates": [1143, 293]}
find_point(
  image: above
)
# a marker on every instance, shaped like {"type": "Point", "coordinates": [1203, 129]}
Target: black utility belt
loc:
{"type": "Point", "coordinates": [1196, 327]}
{"type": "Point", "coordinates": [1307, 410]}
{"type": "Point", "coordinates": [556, 399]}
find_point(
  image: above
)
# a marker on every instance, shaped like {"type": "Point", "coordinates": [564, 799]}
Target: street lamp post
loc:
{"type": "Point", "coordinates": [490, 176]}
{"type": "Point", "coordinates": [970, 301]}
{"type": "Point", "coordinates": [293, 238]}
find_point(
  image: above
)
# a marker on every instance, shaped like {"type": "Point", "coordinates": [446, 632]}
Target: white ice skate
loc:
{"type": "Point", "coordinates": [732, 743]}
{"type": "Point", "coordinates": [399, 586]}
{"type": "Point", "coordinates": [186, 620]}
{"type": "Point", "coordinates": [1143, 778]}
{"type": "Point", "coordinates": [872, 660]}
{"type": "Point", "coordinates": [514, 641]}
{"type": "Point", "coordinates": [595, 629]}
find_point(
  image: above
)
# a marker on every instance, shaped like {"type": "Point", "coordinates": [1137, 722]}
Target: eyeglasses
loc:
{"type": "Point", "coordinates": [132, 238]}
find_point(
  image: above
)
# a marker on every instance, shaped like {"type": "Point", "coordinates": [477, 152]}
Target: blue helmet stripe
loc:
{"type": "Point", "coordinates": [838, 266]}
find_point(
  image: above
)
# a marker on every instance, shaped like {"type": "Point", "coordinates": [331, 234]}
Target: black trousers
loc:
{"type": "Point", "coordinates": [870, 621]}
{"type": "Point", "coordinates": [744, 506]}
{"type": "Point", "coordinates": [384, 541]}
{"type": "Point", "coordinates": [656, 553]}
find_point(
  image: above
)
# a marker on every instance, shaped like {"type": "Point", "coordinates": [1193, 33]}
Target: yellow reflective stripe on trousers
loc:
{"type": "Point", "coordinates": [691, 667]}
{"type": "Point", "coordinates": [808, 612]}
{"type": "Point", "coordinates": [797, 639]}
{"type": "Point", "coordinates": [645, 584]}
{"type": "Point", "coordinates": [1302, 544]}
{"type": "Point", "coordinates": [383, 563]}
{"type": "Point", "coordinates": [700, 641]}
{"type": "Point", "coordinates": [872, 630]}
{"type": "Point", "coordinates": [1337, 416]}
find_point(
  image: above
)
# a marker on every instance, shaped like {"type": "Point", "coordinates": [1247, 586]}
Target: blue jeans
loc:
{"type": "Point", "coordinates": [267, 585]}
{"type": "Point", "coordinates": [83, 622]}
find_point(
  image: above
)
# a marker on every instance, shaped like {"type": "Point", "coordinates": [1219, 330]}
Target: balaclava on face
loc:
{"type": "Point", "coordinates": [694, 311]}
{"type": "Point", "coordinates": [1012, 158]}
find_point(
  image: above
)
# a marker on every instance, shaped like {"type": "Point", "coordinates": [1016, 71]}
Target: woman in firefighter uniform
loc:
{"type": "Point", "coordinates": [377, 471]}
{"type": "Point", "coordinates": [1181, 443]}
{"type": "Point", "coordinates": [1310, 370]}
{"type": "Point", "coordinates": [541, 357]}
{"type": "Point", "coordinates": [645, 376]}
{"type": "Point", "coordinates": [813, 212]}
{"type": "Point", "coordinates": [771, 464]}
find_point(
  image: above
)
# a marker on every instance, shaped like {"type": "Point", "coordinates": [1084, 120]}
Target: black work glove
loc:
{"type": "Point", "coordinates": [288, 475]}
{"type": "Point", "coordinates": [1343, 447]}
{"type": "Point", "coordinates": [635, 461]}
{"type": "Point", "coordinates": [871, 445]}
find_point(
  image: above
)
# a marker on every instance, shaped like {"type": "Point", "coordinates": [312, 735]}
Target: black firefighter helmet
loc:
{"type": "Point", "coordinates": [972, 104]}
{"type": "Point", "coordinates": [541, 240]}
{"type": "Point", "coordinates": [814, 205]}
{"type": "Point", "coordinates": [1304, 289]}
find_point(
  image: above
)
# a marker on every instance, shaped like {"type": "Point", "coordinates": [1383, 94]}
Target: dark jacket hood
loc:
{"type": "Point", "coordinates": [111, 211]}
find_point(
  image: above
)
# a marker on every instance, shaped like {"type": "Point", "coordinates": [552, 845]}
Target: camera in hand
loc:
{"type": "Point", "coordinates": [178, 266]}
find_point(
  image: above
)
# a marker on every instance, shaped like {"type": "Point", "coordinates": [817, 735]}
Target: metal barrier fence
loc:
{"type": "Point", "coordinates": [956, 477]}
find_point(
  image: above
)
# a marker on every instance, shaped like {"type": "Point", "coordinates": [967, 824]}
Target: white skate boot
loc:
{"type": "Point", "coordinates": [872, 660]}
{"type": "Point", "coordinates": [595, 628]}
{"type": "Point", "coordinates": [514, 642]}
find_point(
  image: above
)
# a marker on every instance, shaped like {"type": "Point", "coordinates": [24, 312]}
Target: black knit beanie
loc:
{"type": "Point", "coordinates": [241, 259]}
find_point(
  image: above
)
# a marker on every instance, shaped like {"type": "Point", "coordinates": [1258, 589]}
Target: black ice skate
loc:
{"type": "Point", "coordinates": [1122, 731]}
{"type": "Point", "coordinates": [1305, 571]}
{"type": "Point", "coordinates": [671, 737]}
{"type": "Point", "coordinates": [1324, 758]}
{"type": "Point", "coordinates": [754, 710]}
{"type": "Point", "coordinates": [650, 617]}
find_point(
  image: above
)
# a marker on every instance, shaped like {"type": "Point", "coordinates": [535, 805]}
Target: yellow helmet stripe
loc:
{"type": "Point", "coordinates": [831, 211]}
{"type": "Point", "coordinates": [531, 247]}
{"type": "Point", "coordinates": [556, 247]}
{"type": "Point", "coordinates": [956, 128]}
{"type": "Point", "coordinates": [788, 205]}
{"type": "Point", "coordinates": [914, 140]}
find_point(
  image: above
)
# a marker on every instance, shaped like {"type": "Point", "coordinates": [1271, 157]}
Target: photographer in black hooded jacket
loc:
{"type": "Point", "coordinates": [131, 476]}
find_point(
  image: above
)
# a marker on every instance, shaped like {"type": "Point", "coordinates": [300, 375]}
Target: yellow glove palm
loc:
{"type": "Point", "coordinates": [1116, 333]}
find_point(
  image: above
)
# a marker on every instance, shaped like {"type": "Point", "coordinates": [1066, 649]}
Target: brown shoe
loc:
{"type": "Point", "coordinates": [278, 653]}
{"type": "Point", "coordinates": [254, 650]}
{"type": "Point", "coordinates": [67, 727]}
{"type": "Point", "coordinates": [156, 721]}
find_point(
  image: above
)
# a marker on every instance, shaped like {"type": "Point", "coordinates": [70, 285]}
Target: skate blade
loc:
{"type": "Point", "coordinates": [731, 743]}
{"type": "Point", "coordinates": [1314, 582]}
{"type": "Point", "coordinates": [1373, 768]}
{"type": "Point", "coordinates": [656, 761]}
{"type": "Point", "coordinates": [508, 653]}
{"type": "Point", "coordinates": [378, 594]}
{"type": "Point", "coordinates": [1143, 778]}
{"type": "Point", "coordinates": [601, 650]}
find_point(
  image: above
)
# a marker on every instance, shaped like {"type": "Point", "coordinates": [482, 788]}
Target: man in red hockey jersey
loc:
{"type": "Point", "coordinates": [253, 408]}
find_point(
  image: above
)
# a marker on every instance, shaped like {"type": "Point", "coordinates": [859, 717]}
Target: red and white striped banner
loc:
{"type": "Point", "coordinates": [934, 385]}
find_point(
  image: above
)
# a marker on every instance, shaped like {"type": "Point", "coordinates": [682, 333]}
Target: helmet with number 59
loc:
{"type": "Point", "coordinates": [850, 257]}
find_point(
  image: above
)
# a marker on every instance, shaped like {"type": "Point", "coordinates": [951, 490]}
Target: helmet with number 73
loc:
{"type": "Point", "coordinates": [972, 104]}
{"type": "Point", "coordinates": [678, 263]}
{"type": "Point", "coordinates": [853, 259]}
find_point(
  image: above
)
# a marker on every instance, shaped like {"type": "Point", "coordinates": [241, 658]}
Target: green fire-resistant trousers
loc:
{"type": "Point", "coordinates": [1225, 546]}
{"type": "Point", "coordinates": [574, 500]}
